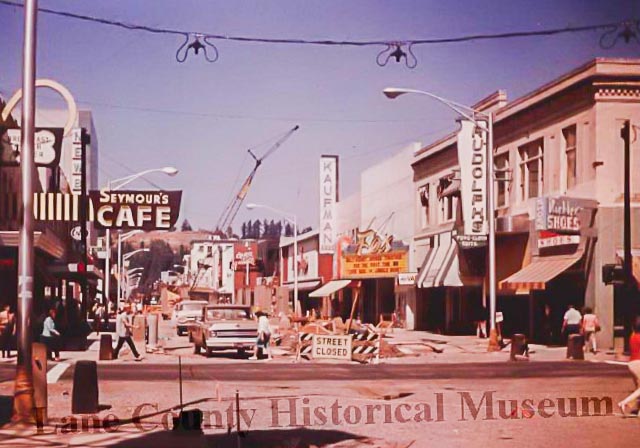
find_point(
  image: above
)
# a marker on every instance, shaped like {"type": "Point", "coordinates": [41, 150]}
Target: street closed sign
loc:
{"type": "Point", "coordinates": [331, 347]}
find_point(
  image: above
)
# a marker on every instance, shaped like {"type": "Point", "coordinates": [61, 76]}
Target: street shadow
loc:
{"type": "Point", "coordinates": [6, 407]}
{"type": "Point", "coordinates": [276, 438]}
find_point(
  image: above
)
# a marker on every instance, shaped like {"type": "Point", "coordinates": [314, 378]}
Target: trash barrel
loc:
{"type": "Point", "coordinates": [518, 346]}
{"type": "Point", "coordinates": [575, 346]}
{"type": "Point", "coordinates": [84, 398]}
{"type": "Point", "coordinates": [106, 347]}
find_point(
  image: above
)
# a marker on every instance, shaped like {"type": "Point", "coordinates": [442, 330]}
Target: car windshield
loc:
{"type": "Point", "coordinates": [227, 313]}
{"type": "Point", "coordinates": [192, 306]}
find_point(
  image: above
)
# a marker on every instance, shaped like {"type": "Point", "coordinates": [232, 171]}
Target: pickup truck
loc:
{"type": "Point", "coordinates": [187, 312]}
{"type": "Point", "coordinates": [224, 327]}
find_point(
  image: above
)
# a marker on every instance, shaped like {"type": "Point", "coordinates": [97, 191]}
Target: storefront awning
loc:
{"type": "Point", "coordinates": [538, 273]}
{"type": "Point", "coordinates": [329, 288]}
{"type": "Point", "coordinates": [75, 271]}
{"type": "Point", "coordinates": [45, 241]}
{"type": "Point", "coordinates": [306, 285]}
{"type": "Point", "coordinates": [441, 266]}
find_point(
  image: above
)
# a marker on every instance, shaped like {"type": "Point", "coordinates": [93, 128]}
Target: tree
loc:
{"type": "Point", "coordinates": [288, 229]}
{"type": "Point", "coordinates": [265, 228]}
{"type": "Point", "coordinates": [244, 230]}
{"type": "Point", "coordinates": [159, 258]}
{"type": "Point", "coordinates": [186, 227]}
{"type": "Point", "coordinates": [249, 229]}
{"type": "Point", "coordinates": [256, 230]}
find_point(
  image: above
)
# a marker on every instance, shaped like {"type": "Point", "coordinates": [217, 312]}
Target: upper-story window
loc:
{"type": "Point", "coordinates": [501, 163]}
{"type": "Point", "coordinates": [448, 191]}
{"type": "Point", "coordinates": [425, 198]}
{"type": "Point", "coordinates": [531, 169]}
{"type": "Point", "coordinates": [570, 154]}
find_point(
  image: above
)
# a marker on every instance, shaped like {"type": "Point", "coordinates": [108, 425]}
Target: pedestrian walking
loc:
{"type": "Point", "coordinates": [590, 326]}
{"type": "Point", "coordinates": [98, 316]}
{"type": "Point", "coordinates": [7, 330]}
{"type": "Point", "coordinates": [124, 329]}
{"type": "Point", "coordinates": [264, 336]}
{"type": "Point", "coordinates": [572, 321]}
{"type": "Point", "coordinates": [634, 367]}
{"type": "Point", "coordinates": [51, 336]}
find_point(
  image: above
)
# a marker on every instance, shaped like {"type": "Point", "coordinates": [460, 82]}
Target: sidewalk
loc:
{"type": "Point", "coordinates": [412, 346]}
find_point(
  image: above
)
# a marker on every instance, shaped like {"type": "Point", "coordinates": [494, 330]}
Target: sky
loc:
{"type": "Point", "coordinates": [151, 111]}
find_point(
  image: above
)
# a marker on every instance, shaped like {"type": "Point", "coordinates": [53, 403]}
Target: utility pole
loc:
{"type": "Point", "coordinates": [630, 309]}
{"type": "Point", "coordinates": [23, 402]}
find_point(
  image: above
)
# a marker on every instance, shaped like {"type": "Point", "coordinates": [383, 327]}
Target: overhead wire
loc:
{"type": "Point", "coordinates": [393, 47]}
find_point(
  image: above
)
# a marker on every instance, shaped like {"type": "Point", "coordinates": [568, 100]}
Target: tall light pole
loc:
{"type": "Point", "coordinates": [125, 257]}
{"type": "Point", "coordinates": [119, 183]}
{"type": "Point", "coordinates": [23, 402]}
{"type": "Point", "coordinates": [121, 238]}
{"type": "Point", "coordinates": [293, 219]}
{"type": "Point", "coordinates": [485, 123]}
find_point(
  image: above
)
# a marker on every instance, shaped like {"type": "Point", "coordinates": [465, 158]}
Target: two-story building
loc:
{"type": "Point", "coordinates": [559, 159]}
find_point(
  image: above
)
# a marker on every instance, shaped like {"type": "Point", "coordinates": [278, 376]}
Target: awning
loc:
{"type": "Point", "coordinates": [539, 272]}
{"type": "Point", "coordinates": [329, 288]}
{"type": "Point", "coordinates": [441, 266]}
{"type": "Point", "coordinates": [306, 285]}
{"type": "Point", "coordinates": [45, 241]}
{"type": "Point", "coordinates": [75, 271]}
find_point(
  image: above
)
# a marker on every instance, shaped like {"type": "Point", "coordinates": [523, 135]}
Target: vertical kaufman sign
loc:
{"type": "Point", "coordinates": [472, 155]}
{"type": "Point", "coordinates": [328, 199]}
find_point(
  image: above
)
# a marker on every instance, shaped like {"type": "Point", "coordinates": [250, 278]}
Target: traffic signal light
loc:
{"type": "Point", "coordinates": [612, 274]}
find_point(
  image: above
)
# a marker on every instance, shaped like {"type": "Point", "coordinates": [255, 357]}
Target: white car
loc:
{"type": "Point", "coordinates": [186, 313]}
{"type": "Point", "coordinates": [224, 327]}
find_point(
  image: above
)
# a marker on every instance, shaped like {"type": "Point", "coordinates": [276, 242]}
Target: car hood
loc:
{"type": "Point", "coordinates": [232, 325]}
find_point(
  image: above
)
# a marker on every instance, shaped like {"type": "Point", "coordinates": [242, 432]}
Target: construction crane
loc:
{"type": "Point", "coordinates": [230, 212]}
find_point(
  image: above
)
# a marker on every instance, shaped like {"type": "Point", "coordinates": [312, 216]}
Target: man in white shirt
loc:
{"type": "Point", "coordinates": [50, 335]}
{"type": "Point", "coordinates": [572, 321]}
{"type": "Point", "coordinates": [124, 329]}
{"type": "Point", "coordinates": [264, 336]}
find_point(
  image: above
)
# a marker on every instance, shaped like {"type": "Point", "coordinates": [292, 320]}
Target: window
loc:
{"type": "Point", "coordinates": [501, 163]}
{"type": "Point", "coordinates": [447, 208]}
{"type": "Point", "coordinates": [531, 169]}
{"type": "Point", "coordinates": [423, 192]}
{"type": "Point", "coordinates": [570, 143]}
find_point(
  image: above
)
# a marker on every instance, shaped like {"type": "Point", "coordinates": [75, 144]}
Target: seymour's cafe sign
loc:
{"type": "Point", "coordinates": [472, 155]}
{"type": "Point", "coordinates": [126, 209]}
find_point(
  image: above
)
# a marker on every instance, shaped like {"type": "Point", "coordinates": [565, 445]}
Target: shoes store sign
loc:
{"type": "Point", "coordinates": [557, 221]}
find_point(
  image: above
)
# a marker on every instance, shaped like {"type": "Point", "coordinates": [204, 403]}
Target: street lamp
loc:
{"type": "Point", "coordinates": [486, 124]}
{"type": "Point", "coordinates": [121, 238]}
{"type": "Point", "coordinates": [114, 185]}
{"type": "Point", "coordinates": [293, 220]}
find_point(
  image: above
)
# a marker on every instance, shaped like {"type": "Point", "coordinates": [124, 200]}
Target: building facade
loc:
{"type": "Point", "coordinates": [559, 193]}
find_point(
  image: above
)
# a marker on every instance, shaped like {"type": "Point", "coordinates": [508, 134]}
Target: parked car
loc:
{"type": "Point", "coordinates": [224, 327]}
{"type": "Point", "coordinates": [187, 312]}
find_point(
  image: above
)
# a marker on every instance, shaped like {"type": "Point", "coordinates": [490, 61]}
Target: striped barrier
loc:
{"type": "Point", "coordinates": [364, 345]}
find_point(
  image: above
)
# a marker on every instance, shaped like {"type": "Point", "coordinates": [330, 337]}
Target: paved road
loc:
{"type": "Point", "coordinates": [250, 371]}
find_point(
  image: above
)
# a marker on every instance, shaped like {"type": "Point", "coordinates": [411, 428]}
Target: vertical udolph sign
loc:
{"type": "Point", "coordinates": [472, 154]}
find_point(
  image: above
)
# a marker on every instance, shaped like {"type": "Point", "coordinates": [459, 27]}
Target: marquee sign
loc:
{"type": "Point", "coordinates": [472, 155]}
{"type": "Point", "coordinates": [374, 255]}
{"type": "Point", "coordinates": [130, 209]}
{"type": "Point", "coordinates": [48, 145]}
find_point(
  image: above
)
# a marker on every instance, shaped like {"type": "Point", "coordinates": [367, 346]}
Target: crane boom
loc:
{"type": "Point", "coordinates": [230, 212]}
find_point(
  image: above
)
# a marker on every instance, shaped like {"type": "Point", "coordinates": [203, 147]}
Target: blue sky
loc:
{"type": "Point", "coordinates": [151, 111]}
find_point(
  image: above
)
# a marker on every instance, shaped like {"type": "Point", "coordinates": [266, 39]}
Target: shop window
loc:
{"type": "Point", "coordinates": [531, 169]}
{"type": "Point", "coordinates": [425, 198]}
{"type": "Point", "coordinates": [448, 191]}
{"type": "Point", "coordinates": [503, 178]}
{"type": "Point", "coordinates": [570, 154]}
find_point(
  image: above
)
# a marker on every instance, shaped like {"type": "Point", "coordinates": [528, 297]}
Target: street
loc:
{"type": "Point", "coordinates": [249, 371]}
